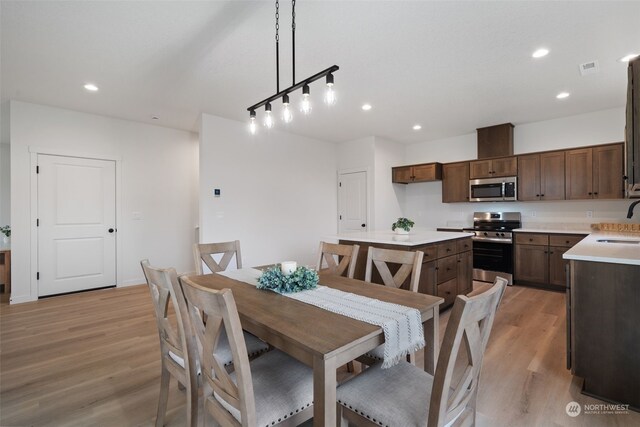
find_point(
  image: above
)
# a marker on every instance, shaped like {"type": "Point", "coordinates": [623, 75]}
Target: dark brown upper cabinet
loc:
{"type": "Point", "coordinates": [493, 168]}
{"type": "Point", "coordinates": [416, 173]}
{"type": "Point", "coordinates": [455, 182]}
{"type": "Point", "coordinates": [541, 176]}
{"type": "Point", "coordinates": [495, 141]}
{"type": "Point", "coordinates": [595, 172]}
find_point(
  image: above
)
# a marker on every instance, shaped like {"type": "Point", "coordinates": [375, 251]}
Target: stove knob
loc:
{"type": "Point", "coordinates": [502, 234]}
{"type": "Point", "coordinates": [486, 234]}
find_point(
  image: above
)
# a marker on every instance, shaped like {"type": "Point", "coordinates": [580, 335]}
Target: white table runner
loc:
{"type": "Point", "coordinates": [402, 326]}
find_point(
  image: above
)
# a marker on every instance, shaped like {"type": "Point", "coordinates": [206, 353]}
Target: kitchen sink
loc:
{"type": "Point", "coordinates": [628, 242]}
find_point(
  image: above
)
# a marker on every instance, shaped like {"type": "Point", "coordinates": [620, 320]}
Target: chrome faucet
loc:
{"type": "Point", "coordinates": [633, 205]}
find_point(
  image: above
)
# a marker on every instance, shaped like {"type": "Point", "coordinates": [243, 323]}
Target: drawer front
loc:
{"type": "Point", "coordinates": [464, 245]}
{"type": "Point", "coordinates": [430, 252]}
{"type": "Point", "coordinates": [564, 240]}
{"type": "Point", "coordinates": [447, 268]}
{"type": "Point", "coordinates": [447, 290]}
{"type": "Point", "coordinates": [532, 239]}
{"type": "Point", "coordinates": [447, 248]}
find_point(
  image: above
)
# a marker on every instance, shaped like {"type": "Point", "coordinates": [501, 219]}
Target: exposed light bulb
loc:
{"type": "Point", "coordinates": [330, 94]}
{"type": "Point", "coordinates": [287, 116]}
{"type": "Point", "coordinates": [252, 126]}
{"type": "Point", "coordinates": [268, 119]}
{"type": "Point", "coordinates": [305, 105]}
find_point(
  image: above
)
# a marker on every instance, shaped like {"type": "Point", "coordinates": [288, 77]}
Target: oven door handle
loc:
{"type": "Point", "coordinates": [492, 240]}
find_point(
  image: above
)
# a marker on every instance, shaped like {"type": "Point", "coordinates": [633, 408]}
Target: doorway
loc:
{"type": "Point", "coordinates": [76, 224]}
{"type": "Point", "coordinates": [352, 201]}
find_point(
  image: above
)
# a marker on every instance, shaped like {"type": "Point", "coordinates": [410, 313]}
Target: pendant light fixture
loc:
{"type": "Point", "coordinates": [305, 105]}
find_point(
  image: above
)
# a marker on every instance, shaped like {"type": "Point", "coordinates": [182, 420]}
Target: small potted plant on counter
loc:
{"type": "Point", "coordinates": [6, 231]}
{"type": "Point", "coordinates": [402, 226]}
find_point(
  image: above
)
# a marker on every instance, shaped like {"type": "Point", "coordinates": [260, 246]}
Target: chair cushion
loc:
{"type": "Point", "coordinates": [282, 387]}
{"type": "Point", "coordinates": [398, 396]}
{"type": "Point", "coordinates": [254, 344]}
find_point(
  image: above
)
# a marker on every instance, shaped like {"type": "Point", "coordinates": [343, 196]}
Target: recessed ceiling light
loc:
{"type": "Point", "coordinates": [91, 87]}
{"type": "Point", "coordinates": [629, 57]}
{"type": "Point", "coordinates": [366, 107]}
{"type": "Point", "coordinates": [540, 53]}
{"type": "Point", "coordinates": [562, 95]}
{"type": "Point", "coordinates": [417, 127]}
{"type": "Point", "coordinates": [155, 118]}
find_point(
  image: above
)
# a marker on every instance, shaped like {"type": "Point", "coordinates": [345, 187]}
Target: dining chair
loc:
{"type": "Point", "coordinates": [177, 349]}
{"type": "Point", "coordinates": [410, 266]}
{"type": "Point", "coordinates": [405, 395]}
{"type": "Point", "coordinates": [204, 252]}
{"type": "Point", "coordinates": [175, 343]}
{"type": "Point", "coordinates": [338, 258]}
{"type": "Point", "coordinates": [272, 389]}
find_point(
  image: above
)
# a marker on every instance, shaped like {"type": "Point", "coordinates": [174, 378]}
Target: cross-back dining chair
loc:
{"type": "Point", "coordinates": [410, 266]}
{"type": "Point", "coordinates": [204, 252]}
{"type": "Point", "coordinates": [177, 349]}
{"type": "Point", "coordinates": [338, 258]}
{"type": "Point", "coordinates": [405, 395]}
{"type": "Point", "coordinates": [269, 390]}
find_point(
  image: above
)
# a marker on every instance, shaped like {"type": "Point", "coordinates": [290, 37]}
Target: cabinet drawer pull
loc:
{"type": "Point", "coordinates": [448, 292]}
{"type": "Point", "coordinates": [567, 242]}
{"type": "Point", "coordinates": [530, 239]}
{"type": "Point", "coordinates": [448, 249]}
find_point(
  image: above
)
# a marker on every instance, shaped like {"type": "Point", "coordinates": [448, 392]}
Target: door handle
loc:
{"type": "Point", "coordinates": [111, 230]}
{"type": "Point", "coordinates": [363, 225]}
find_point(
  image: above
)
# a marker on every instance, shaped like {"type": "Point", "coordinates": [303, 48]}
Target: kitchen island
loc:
{"type": "Point", "coordinates": [603, 300]}
{"type": "Point", "coordinates": [447, 266]}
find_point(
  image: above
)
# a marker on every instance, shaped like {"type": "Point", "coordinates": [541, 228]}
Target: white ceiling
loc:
{"type": "Point", "coordinates": [451, 66]}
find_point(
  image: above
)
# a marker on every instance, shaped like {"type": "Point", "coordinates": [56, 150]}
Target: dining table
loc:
{"type": "Point", "coordinates": [322, 339]}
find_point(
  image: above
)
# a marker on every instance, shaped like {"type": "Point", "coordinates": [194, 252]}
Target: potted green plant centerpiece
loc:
{"type": "Point", "coordinates": [6, 231]}
{"type": "Point", "coordinates": [402, 226]}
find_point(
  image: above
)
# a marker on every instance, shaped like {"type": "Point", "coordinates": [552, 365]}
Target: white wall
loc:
{"type": "Point", "coordinates": [159, 175]}
{"type": "Point", "coordinates": [5, 166]}
{"type": "Point", "coordinates": [389, 198]}
{"type": "Point", "coordinates": [278, 191]}
{"type": "Point", "coordinates": [5, 184]}
{"type": "Point", "coordinates": [424, 200]}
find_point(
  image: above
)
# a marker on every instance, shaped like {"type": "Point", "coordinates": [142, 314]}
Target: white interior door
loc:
{"type": "Point", "coordinates": [352, 202]}
{"type": "Point", "coordinates": [77, 224]}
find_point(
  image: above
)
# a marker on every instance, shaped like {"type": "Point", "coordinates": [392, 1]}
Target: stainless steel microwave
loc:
{"type": "Point", "coordinates": [493, 189]}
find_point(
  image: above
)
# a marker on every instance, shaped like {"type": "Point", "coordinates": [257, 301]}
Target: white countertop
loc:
{"type": "Point", "coordinates": [590, 249]}
{"type": "Point", "coordinates": [414, 238]}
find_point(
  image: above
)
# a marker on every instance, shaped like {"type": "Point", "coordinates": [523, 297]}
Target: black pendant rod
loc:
{"type": "Point", "coordinates": [277, 46]}
{"type": "Point", "coordinates": [298, 85]}
{"type": "Point", "coordinates": [293, 40]}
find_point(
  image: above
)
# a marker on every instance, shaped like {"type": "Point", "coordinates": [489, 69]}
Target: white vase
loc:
{"type": "Point", "coordinates": [6, 240]}
{"type": "Point", "coordinates": [401, 231]}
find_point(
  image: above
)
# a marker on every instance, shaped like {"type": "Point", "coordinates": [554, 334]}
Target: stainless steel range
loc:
{"type": "Point", "coordinates": [493, 244]}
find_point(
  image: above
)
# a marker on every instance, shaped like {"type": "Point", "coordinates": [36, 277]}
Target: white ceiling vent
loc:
{"type": "Point", "coordinates": [589, 68]}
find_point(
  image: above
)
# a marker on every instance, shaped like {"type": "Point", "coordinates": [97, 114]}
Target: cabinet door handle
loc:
{"type": "Point", "coordinates": [567, 242]}
{"type": "Point", "coordinates": [542, 195]}
{"type": "Point", "coordinates": [537, 195]}
{"type": "Point", "coordinates": [546, 252]}
{"type": "Point", "coordinates": [448, 249]}
{"type": "Point", "coordinates": [595, 194]}
{"type": "Point", "coordinates": [590, 193]}
{"type": "Point", "coordinates": [551, 253]}
{"type": "Point", "coordinates": [448, 292]}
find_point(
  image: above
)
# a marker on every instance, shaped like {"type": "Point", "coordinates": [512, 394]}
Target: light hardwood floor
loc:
{"type": "Point", "coordinates": [93, 359]}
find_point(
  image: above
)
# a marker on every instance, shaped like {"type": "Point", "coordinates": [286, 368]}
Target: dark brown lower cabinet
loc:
{"type": "Point", "coordinates": [604, 338]}
{"type": "Point", "coordinates": [538, 258]}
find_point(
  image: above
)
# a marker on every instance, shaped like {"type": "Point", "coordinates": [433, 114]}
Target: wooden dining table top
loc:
{"type": "Point", "coordinates": [315, 331]}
